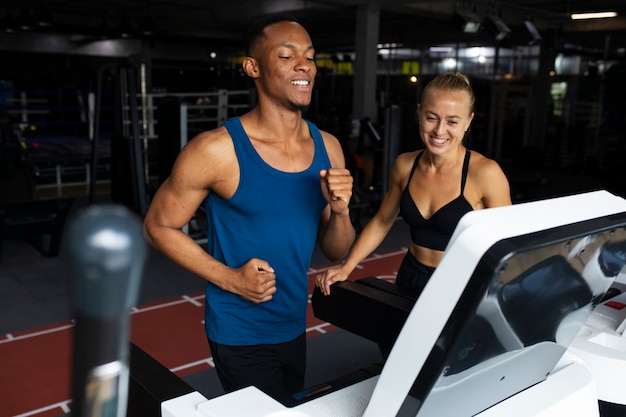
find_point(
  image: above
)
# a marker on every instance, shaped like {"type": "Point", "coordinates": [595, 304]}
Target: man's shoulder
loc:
{"type": "Point", "coordinates": [212, 137]}
{"type": "Point", "coordinates": [326, 136]}
{"type": "Point", "coordinates": [210, 143]}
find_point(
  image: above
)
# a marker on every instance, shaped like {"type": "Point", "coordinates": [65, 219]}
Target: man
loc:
{"type": "Point", "coordinates": [273, 185]}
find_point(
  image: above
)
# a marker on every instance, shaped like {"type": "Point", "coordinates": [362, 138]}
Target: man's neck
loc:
{"type": "Point", "coordinates": [274, 125]}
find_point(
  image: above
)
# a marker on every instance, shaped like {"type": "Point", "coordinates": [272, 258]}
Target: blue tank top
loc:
{"type": "Point", "coordinates": [435, 232]}
{"type": "Point", "coordinates": [274, 216]}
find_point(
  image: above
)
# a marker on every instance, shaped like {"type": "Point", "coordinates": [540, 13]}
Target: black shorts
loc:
{"type": "Point", "coordinates": [413, 275]}
{"type": "Point", "coordinates": [276, 369]}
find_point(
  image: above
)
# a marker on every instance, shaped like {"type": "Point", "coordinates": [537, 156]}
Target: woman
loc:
{"type": "Point", "coordinates": [431, 188]}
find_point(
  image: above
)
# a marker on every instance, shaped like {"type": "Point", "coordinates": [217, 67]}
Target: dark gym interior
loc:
{"type": "Point", "coordinates": [97, 97]}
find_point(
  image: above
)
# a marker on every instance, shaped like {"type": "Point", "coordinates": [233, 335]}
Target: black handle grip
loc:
{"type": "Point", "coordinates": [105, 251]}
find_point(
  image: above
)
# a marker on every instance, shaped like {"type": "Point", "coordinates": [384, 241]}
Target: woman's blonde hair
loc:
{"type": "Point", "coordinates": [452, 81]}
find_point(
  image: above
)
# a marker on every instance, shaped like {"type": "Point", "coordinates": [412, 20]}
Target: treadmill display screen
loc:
{"type": "Point", "coordinates": [525, 302]}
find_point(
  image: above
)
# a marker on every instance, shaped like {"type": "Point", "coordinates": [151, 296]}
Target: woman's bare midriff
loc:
{"type": "Point", "coordinates": [426, 256]}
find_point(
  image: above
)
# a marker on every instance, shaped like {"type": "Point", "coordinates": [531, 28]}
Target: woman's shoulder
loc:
{"type": "Point", "coordinates": [403, 164]}
{"type": "Point", "coordinates": [408, 157]}
{"type": "Point", "coordinates": [489, 178]}
{"type": "Point", "coordinates": [480, 163]}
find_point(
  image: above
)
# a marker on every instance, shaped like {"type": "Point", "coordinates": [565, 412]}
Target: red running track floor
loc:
{"type": "Point", "coordinates": [35, 365]}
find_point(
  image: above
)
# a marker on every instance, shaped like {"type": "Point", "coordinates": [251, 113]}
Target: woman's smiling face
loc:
{"type": "Point", "coordinates": [444, 116]}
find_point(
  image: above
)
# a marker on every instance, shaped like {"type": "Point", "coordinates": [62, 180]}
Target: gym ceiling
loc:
{"type": "Point", "coordinates": [221, 24]}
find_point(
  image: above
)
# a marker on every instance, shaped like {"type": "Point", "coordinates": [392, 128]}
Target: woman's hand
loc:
{"type": "Point", "coordinates": [329, 277]}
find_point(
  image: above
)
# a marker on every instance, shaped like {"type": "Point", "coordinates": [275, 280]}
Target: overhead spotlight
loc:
{"type": "Point", "coordinates": [148, 28]}
{"type": "Point", "coordinates": [43, 17]}
{"type": "Point", "coordinates": [468, 22]}
{"type": "Point", "coordinates": [444, 49]}
{"type": "Point", "coordinates": [525, 34]}
{"type": "Point", "coordinates": [592, 15]}
{"type": "Point", "coordinates": [7, 24]}
{"type": "Point", "coordinates": [25, 20]}
{"type": "Point", "coordinates": [125, 29]}
{"type": "Point", "coordinates": [496, 27]}
{"type": "Point", "coordinates": [533, 34]}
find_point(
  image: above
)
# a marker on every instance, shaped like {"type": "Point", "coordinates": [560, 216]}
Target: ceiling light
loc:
{"type": "Point", "coordinates": [445, 49]}
{"type": "Point", "coordinates": [592, 15]}
{"type": "Point", "coordinates": [525, 34]}
{"type": "Point", "coordinates": [125, 29]}
{"type": "Point", "coordinates": [8, 23]}
{"type": "Point", "coordinates": [532, 34]}
{"type": "Point", "coordinates": [496, 27]}
{"type": "Point", "coordinates": [148, 28]}
{"type": "Point", "coordinates": [468, 22]}
{"type": "Point", "coordinates": [449, 63]}
{"type": "Point", "coordinates": [43, 18]}
{"type": "Point", "coordinates": [25, 20]}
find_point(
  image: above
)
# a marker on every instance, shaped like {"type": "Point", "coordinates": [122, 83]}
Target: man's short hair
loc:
{"type": "Point", "coordinates": [256, 31]}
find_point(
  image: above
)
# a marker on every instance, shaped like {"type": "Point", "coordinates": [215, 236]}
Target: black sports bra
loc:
{"type": "Point", "coordinates": [435, 232]}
